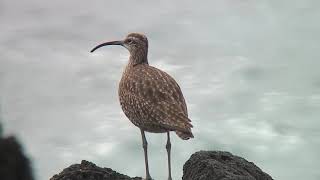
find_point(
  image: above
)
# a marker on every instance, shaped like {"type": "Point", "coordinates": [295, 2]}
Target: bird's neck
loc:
{"type": "Point", "coordinates": [134, 61]}
{"type": "Point", "coordinates": [138, 57]}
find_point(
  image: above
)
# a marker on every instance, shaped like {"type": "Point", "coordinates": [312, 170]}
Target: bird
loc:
{"type": "Point", "coordinates": [150, 98]}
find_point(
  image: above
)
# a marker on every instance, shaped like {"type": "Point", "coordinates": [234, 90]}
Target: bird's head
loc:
{"type": "Point", "coordinates": [136, 43]}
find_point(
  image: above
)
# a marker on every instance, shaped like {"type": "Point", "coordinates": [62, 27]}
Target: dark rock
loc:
{"type": "Point", "coordinates": [218, 165]}
{"type": "Point", "coordinates": [89, 171]}
{"type": "Point", "coordinates": [14, 165]}
{"type": "Point", "coordinates": [202, 165]}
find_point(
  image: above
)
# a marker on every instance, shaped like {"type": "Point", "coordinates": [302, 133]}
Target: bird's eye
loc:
{"type": "Point", "coordinates": [130, 41]}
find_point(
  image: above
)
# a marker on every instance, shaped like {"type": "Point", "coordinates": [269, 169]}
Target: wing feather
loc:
{"type": "Point", "coordinates": [159, 97]}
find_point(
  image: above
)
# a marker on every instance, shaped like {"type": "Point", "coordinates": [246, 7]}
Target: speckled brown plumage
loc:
{"type": "Point", "coordinates": [153, 101]}
{"type": "Point", "coordinates": [150, 98]}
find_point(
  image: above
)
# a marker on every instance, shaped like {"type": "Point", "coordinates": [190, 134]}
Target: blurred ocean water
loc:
{"type": "Point", "coordinates": [249, 71]}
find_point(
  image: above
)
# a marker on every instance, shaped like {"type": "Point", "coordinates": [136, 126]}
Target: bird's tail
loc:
{"type": "Point", "coordinates": [184, 135]}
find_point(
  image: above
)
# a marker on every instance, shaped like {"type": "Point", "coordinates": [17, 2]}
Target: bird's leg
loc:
{"type": "Point", "coordinates": [168, 147]}
{"type": "Point", "coordinates": [145, 148]}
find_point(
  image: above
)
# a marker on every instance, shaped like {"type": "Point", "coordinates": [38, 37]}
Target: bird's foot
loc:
{"type": "Point", "coordinates": [148, 178]}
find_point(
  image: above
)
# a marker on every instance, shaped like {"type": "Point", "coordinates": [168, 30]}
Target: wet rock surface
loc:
{"type": "Point", "coordinates": [89, 171]}
{"type": "Point", "coordinates": [219, 165]}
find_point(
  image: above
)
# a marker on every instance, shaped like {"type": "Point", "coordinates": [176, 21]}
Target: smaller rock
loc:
{"type": "Point", "coordinates": [14, 165]}
{"type": "Point", "coordinates": [219, 165]}
{"type": "Point", "coordinates": [89, 171]}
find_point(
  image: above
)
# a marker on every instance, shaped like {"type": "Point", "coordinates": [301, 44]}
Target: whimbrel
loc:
{"type": "Point", "coordinates": [150, 98]}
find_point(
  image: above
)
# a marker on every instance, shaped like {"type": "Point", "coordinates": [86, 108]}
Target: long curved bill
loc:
{"type": "Point", "coordinates": [106, 44]}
